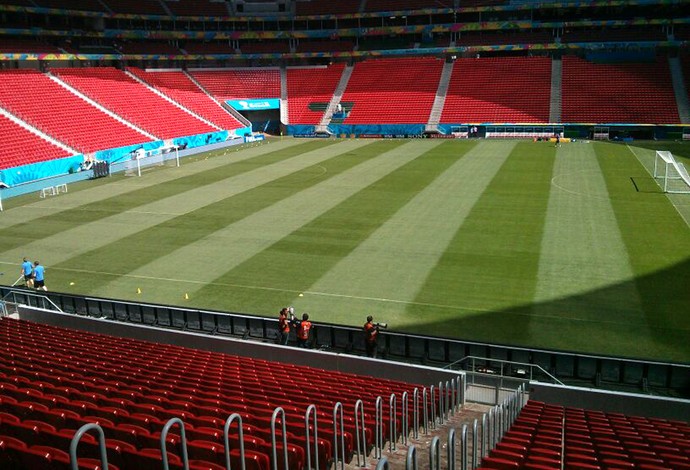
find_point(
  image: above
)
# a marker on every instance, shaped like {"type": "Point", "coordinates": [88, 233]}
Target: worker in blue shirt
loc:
{"type": "Point", "coordinates": [39, 276]}
{"type": "Point", "coordinates": [28, 273]}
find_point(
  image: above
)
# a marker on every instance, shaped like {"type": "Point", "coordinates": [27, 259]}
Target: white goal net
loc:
{"type": "Point", "coordinates": [671, 174]}
{"type": "Point", "coordinates": [142, 159]}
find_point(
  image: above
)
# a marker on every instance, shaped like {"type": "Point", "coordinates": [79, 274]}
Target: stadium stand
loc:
{"type": "Point", "coordinates": [149, 47]}
{"type": "Point", "coordinates": [21, 147]}
{"type": "Point", "coordinates": [268, 47]}
{"type": "Point", "coordinates": [510, 37]}
{"type": "Point", "coordinates": [56, 379]}
{"type": "Point", "coordinates": [208, 48]}
{"type": "Point", "coordinates": [177, 86]}
{"type": "Point", "coordinates": [395, 5]}
{"type": "Point", "coordinates": [621, 92]}
{"type": "Point", "coordinates": [308, 86]}
{"type": "Point", "coordinates": [142, 7]}
{"type": "Point", "coordinates": [505, 89]}
{"type": "Point", "coordinates": [318, 7]}
{"type": "Point", "coordinates": [396, 90]}
{"type": "Point", "coordinates": [239, 83]}
{"type": "Point", "coordinates": [122, 94]}
{"type": "Point", "coordinates": [196, 8]}
{"type": "Point", "coordinates": [70, 119]}
{"type": "Point", "coordinates": [684, 58]}
{"type": "Point", "coordinates": [80, 5]}
{"type": "Point", "coordinates": [18, 46]}
{"type": "Point", "coordinates": [548, 436]}
{"type": "Point", "coordinates": [324, 46]}
{"type": "Point", "coordinates": [613, 34]}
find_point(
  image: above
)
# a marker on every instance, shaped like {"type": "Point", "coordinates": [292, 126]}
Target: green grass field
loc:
{"type": "Point", "coordinates": [509, 242]}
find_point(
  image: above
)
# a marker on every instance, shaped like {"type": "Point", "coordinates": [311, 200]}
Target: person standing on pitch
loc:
{"type": "Point", "coordinates": [283, 327]}
{"type": "Point", "coordinates": [39, 277]}
{"type": "Point", "coordinates": [371, 336]}
{"type": "Point", "coordinates": [27, 272]}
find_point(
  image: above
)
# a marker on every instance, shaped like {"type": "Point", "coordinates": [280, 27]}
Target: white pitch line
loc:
{"type": "Point", "coordinates": [112, 211]}
{"type": "Point", "coordinates": [331, 294]}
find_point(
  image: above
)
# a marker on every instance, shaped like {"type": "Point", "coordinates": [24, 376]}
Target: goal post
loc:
{"type": "Point", "coordinates": [671, 174]}
{"type": "Point", "coordinates": [168, 156]}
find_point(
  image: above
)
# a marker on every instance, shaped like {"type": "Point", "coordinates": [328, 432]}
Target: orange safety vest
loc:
{"type": "Point", "coordinates": [370, 332]}
{"type": "Point", "coordinates": [304, 328]}
{"type": "Point", "coordinates": [284, 324]}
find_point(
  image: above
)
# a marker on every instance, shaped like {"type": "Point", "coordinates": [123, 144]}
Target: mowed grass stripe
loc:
{"type": "Point", "coordinates": [93, 235]}
{"type": "Point", "coordinates": [81, 208]}
{"type": "Point", "coordinates": [583, 257]}
{"type": "Point", "coordinates": [300, 239]}
{"type": "Point", "coordinates": [88, 195]}
{"type": "Point", "coordinates": [492, 263]}
{"type": "Point", "coordinates": [200, 246]}
{"type": "Point", "coordinates": [658, 244]}
{"type": "Point", "coordinates": [386, 271]}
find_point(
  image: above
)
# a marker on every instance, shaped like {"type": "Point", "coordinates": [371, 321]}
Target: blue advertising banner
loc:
{"type": "Point", "coordinates": [255, 105]}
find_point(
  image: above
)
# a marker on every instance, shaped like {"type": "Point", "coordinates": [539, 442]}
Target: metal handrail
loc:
{"type": "Point", "coordinates": [361, 434]}
{"type": "Point", "coordinates": [226, 439]}
{"type": "Point", "coordinates": [502, 362]}
{"type": "Point", "coordinates": [274, 445]}
{"type": "Point", "coordinates": [46, 301]}
{"type": "Point", "coordinates": [183, 443]}
{"type": "Point", "coordinates": [338, 419]}
{"type": "Point", "coordinates": [311, 411]}
{"type": "Point", "coordinates": [74, 463]}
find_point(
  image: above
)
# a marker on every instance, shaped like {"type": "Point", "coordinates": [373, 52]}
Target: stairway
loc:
{"type": "Point", "coordinates": [440, 99]}
{"type": "Point", "coordinates": [680, 90]}
{"type": "Point", "coordinates": [337, 96]}
{"type": "Point", "coordinates": [284, 115]}
{"type": "Point", "coordinates": [556, 96]}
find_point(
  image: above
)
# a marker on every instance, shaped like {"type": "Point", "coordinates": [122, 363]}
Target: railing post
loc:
{"type": "Point", "coordinates": [338, 419]}
{"type": "Point", "coordinates": [226, 439]}
{"type": "Point", "coordinates": [164, 445]}
{"type": "Point", "coordinates": [311, 411]}
{"type": "Point", "coordinates": [475, 446]}
{"type": "Point", "coordinates": [274, 417]}
{"type": "Point", "coordinates": [441, 403]}
{"type": "Point", "coordinates": [425, 399]}
{"type": "Point", "coordinates": [463, 448]}
{"type": "Point", "coordinates": [361, 437]}
{"type": "Point", "coordinates": [450, 403]}
{"type": "Point", "coordinates": [485, 435]}
{"type": "Point", "coordinates": [451, 452]}
{"type": "Point", "coordinates": [404, 409]}
{"type": "Point", "coordinates": [392, 421]}
{"type": "Point", "coordinates": [378, 432]}
{"type": "Point", "coordinates": [415, 413]}
{"type": "Point", "coordinates": [411, 459]}
{"type": "Point", "coordinates": [432, 406]}
{"type": "Point", "coordinates": [74, 463]}
{"type": "Point", "coordinates": [434, 454]}
{"type": "Point", "coordinates": [383, 464]}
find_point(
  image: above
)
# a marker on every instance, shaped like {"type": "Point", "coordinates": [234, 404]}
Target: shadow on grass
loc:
{"type": "Point", "coordinates": [595, 322]}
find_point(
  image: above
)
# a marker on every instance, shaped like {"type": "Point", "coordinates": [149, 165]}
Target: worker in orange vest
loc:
{"type": "Point", "coordinates": [303, 331]}
{"type": "Point", "coordinates": [283, 327]}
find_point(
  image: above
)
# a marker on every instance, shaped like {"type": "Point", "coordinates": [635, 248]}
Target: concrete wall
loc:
{"type": "Point", "coordinates": [615, 402]}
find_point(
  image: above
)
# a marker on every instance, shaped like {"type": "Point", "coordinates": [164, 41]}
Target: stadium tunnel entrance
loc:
{"type": "Point", "coordinates": [264, 114]}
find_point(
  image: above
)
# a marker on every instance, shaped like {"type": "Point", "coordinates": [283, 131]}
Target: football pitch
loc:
{"type": "Point", "coordinates": [511, 242]}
